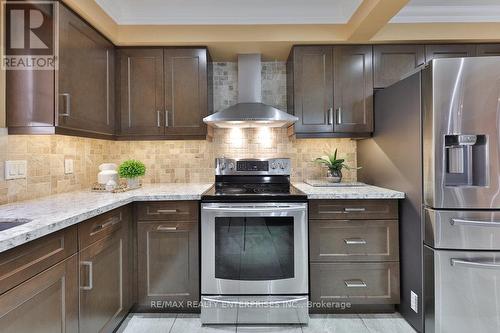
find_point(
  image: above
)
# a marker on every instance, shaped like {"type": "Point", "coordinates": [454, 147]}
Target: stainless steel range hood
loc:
{"type": "Point", "coordinates": [250, 111]}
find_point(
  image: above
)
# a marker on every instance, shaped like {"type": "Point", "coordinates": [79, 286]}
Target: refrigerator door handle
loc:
{"type": "Point", "coordinates": [475, 264]}
{"type": "Point", "coordinates": [473, 223]}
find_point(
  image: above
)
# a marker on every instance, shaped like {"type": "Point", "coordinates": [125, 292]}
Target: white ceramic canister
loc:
{"type": "Point", "coordinates": [107, 172]}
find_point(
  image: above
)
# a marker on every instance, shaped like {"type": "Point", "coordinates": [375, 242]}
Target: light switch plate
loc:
{"type": "Point", "coordinates": [68, 166]}
{"type": "Point", "coordinates": [15, 169]}
{"type": "Point", "coordinates": [414, 301]}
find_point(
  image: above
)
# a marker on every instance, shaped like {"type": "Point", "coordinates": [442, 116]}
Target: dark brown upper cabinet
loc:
{"type": "Point", "coordinates": [76, 99]}
{"type": "Point", "coordinates": [330, 90]}
{"type": "Point", "coordinates": [186, 95]}
{"type": "Point", "coordinates": [140, 90]}
{"type": "Point", "coordinates": [393, 62]}
{"type": "Point", "coordinates": [311, 68]}
{"type": "Point", "coordinates": [487, 50]}
{"type": "Point", "coordinates": [353, 93]}
{"type": "Point", "coordinates": [85, 77]}
{"type": "Point", "coordinates": [434, 51]}
{"type": "Point", "coordinates": [163, 93]}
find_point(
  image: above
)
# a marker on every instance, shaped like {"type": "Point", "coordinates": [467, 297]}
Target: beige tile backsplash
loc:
{"type": "Point", "coordinates": [167, 161]}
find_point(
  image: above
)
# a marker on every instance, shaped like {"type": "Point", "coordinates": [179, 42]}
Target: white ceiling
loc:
{"type": "Point", "coordinates": [230, 11]}
{"type": "Point", "coordinates": [425, 11]}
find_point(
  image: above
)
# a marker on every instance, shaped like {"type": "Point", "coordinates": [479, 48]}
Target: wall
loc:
{"type": "Point", "coordinates": [168, 161]}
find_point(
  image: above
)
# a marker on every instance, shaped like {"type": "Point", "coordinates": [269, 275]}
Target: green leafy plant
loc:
{"type": "Point", "coordinates": [332, 163]}
{"type": "Point", "coordinates": [131, 169]}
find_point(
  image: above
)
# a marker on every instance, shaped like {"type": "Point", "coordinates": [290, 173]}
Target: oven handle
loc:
{"type": "Point", "coordinates": [255, 209]}
{"type": "Point", "coordinates": [255, 303]}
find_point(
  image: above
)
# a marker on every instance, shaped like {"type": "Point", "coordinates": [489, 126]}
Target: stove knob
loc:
{"type": "Point", "coordinates": [231, 166]}
{"type": "Point", "coordinates": [274, 165]}
{"type": "Point", "coordinates": [283, 165]}
{"type": "Point", "coordinates": [223, 166]}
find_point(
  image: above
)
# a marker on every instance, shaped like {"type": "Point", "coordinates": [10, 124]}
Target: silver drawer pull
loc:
{"type": "Point", "coordinates": [165, 228]}
{"type": "Point", "coordinates": [90, 277]}
{"type": "Point", "coordinates": [355, 284]}
{"type": "Point", "coordinates": [355, 241]}
{"type": "Point", "coordinates": [111, 222]}
{"type": "Point", "coordinates": [473, 223]}
{"type": "Point", "coordinates": [475, 264]}
{"type": "Point", "coordinates": [354, 209]}
{"type": "Point", "coordinates": [166, 211]}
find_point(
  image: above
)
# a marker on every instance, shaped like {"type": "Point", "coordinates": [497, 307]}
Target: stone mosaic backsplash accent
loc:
{"type": "Point", "coordinates": [168, 161]}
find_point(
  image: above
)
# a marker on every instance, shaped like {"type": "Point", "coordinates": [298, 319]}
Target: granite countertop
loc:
{"type": "Point", "coordinates": [349, 192]}
{"type": "Point", "coordinates": [56, 212]}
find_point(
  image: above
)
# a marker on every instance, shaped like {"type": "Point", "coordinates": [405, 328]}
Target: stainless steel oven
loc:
{"type": "Point", "coordinates": [254, 262]}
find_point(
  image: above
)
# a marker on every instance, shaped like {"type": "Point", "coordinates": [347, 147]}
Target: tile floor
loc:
{"type": "Point", "coordinates": [190, 323]}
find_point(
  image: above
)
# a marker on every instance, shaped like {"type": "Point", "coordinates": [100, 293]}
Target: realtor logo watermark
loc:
{"type": "Point", "coordinates": [30, 35]}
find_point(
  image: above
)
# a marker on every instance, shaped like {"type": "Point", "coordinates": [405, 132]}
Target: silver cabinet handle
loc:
{"type": "Point", "coordinates": [355, 284]}
{"type": "Point", "coordinates": [330, 116]}
{"type": "Point", "coordinates": [473, 223]}
{"type": "Point", "coordinates": [111, 222]}
{"type": "Point", "coordinates": [165, 228]}
{"type": "Point", "coordinates": [107, 87]}
{"type": "Point", "coordinates": [339, 115]}
{"type": "Point", "coordinates": [166, 118]}
{"type": "Point", "coordinates": [158, 118]}
{"type": "Point", "coordinates": [67, 105]}
{"type": "Point", "coordinates": [90, 277]}
{"type": "Point", "coordinates": [354, 241]}
{"type": "Point", "coordinates": [475, 264]}
{"type": "Point", "coordinates": [166, 211]}
{"type": "Point", "coordinates": [354, 209]}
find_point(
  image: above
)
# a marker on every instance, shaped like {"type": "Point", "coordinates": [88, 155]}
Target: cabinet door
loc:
{"type": "Point", "coordinates": [104, 283]}
{"type": "Point", "coordinates": [168, 264]}
{"type": "Point", "coordinates": [313, 89]}
{"type": "Point", "coordinates": [141, 92]}
{"type": "Point", "coordinates": [353, 89]}
{"type": "Point", "coordinates": [85, 77]}
{"type": "Point", "coordinates": [488, 50]}
{"type": "Point", "coordinates": [435, 51]}
{"type": "Point", "coordinates": [186, 98]}
{"type": "Point", "coordinates": [46, 303]}
{"type": "Point", "coordinates": [393, 62]}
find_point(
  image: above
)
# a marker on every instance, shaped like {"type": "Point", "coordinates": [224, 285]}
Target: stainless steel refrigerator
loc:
{"type": "Point", "coordinates": [436, 138]}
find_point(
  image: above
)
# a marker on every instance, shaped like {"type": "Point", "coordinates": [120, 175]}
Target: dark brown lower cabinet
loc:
{"type": "Point", "coordinates": [46, 303]}
{"type": "Point", "coordinates": [105, 275]}
{"type": "Point", "coordinates": [168, 263]}
{"type": "Point", "coordinates": [354, 255]}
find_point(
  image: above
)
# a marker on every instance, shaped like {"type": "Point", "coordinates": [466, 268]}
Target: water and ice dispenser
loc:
{"type": "Point", "coordinates": [466, 160]}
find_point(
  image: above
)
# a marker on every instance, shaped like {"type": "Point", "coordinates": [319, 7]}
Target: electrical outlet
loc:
{"type": "Point", "coordinates": [15, 169]}
{"type": "Point", "coordinates": [68, 166]}
{"type": "Point", "coordinates": [414, 301]}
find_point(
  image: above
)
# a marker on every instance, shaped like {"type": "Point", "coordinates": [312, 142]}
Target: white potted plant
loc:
{"type": "Point", "coordinates": [131, 170]}
{"type": "Point", "coordinates": [334, 166]}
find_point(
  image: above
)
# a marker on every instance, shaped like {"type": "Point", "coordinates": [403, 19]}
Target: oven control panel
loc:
{"type": "Point", "coordinates": [272, 166]}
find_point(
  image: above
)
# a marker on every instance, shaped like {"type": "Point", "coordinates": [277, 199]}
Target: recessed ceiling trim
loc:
{"type": "Point", "coordinates": [437, 14]}
{"type": "Point", "coordinates": [228, 12]}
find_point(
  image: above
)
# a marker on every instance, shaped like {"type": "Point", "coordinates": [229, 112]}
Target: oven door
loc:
{"type": "Point", "coordinates": [254, 248]}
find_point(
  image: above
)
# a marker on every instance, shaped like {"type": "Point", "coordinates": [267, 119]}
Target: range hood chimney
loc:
{"type": "Point", "coordinates": [250, 111]}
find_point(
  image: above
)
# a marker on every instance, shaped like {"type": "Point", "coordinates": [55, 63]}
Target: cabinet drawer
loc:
{"type": "Point", "coordinates": [25, 261]}
{"type": "Point", "coordinates": [378, 209]}
{"type": "Point", "coordinates": [359, 283]}
{"type": "Point", "coordinates": [101, 226]}
{"type": "Point", "coordinates": [168, 211]}
{"type": "Point", "coordinates": [357, 240]}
